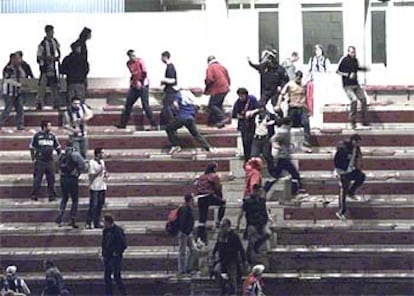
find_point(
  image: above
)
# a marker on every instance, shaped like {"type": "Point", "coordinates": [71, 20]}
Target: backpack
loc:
{"type": "Point", "coordinates": [172, 225]}
{"type": "Point", "coordinates": [66, 163]}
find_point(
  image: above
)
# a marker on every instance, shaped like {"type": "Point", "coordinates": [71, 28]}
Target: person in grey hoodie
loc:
{"type": "Point", "coordinates": [71, 165]}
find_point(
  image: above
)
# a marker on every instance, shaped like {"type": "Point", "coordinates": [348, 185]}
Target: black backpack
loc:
{"type": "Point", "coordinates": [66, 163]}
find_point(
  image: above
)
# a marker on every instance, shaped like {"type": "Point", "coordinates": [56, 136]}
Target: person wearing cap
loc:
{"type": "Point", "coordinates": [253, 284]}
{"type": "Point", "coordinates": [138, 88]}
{"type": "Point", "coordinates": [217, 86]}
{"type": "Point", "coordinates": [272, 77]}
{"type": "Point", "coordinates": [76, 69]}
{"type": "Point", "coordinates": [209, 192]}
{"type": "Point", "coordinates": [231, 256]}
{"type": "Point", "coordinates": [245, 125]}
{"type": "Point", "coordinates": [185, 109]}
{"type": "Point", "coordinates": [14, 283]}
{"type": "Point", "coordinates": [348, 163]}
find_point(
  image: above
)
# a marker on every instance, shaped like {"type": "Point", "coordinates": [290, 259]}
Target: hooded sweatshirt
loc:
{"type": "Point", "coordinates": [252, 169]}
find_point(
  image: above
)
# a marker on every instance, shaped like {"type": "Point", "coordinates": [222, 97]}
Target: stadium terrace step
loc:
{"type": "Point", "coordinates": [129, 166]}
{"type": "Point", "coordinates": [322, 259]}
{"type": "Point", "coordinates": [160, 258]}
{"type": "Point", "coordinates": [135, 141]}
{"type": "Point", "coordinates": [125, 213]}
{"type": "Point", "coordinates": [325, 283]}
{"type": "Point", "coordinates": [100, 118]}
{"type": "Point", "coordinates": [354, 212]}
{"type": "Point", "coordinates": [376, 114]}
{"type": "Point", "coordinates": [326, 236]}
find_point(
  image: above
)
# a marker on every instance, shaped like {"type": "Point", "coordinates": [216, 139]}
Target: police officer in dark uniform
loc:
{"type": "Point", "coordinates": [41, 148]}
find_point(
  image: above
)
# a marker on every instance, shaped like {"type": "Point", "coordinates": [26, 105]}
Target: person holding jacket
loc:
{"type": "Point", "coordinates": [113, 246]}
{"type": "Point", "coordinates": [217, 86]}
{"type": "Point", "coordinates": [348, 162]}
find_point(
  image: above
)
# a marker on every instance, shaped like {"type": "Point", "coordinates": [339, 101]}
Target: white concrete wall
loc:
{"type": "Point", "coordinates": [190, 38]}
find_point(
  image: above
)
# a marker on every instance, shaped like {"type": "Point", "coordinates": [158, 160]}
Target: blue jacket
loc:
{"type": "Point", "coordinates": [240, 107]}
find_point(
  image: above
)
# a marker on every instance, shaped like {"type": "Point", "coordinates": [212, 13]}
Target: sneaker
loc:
{"type": "Point", "coordinates": [34, 198]}
{"type": "Point", "coordinates": [366, 124]}
{"type": "Point", "coordinates": [354, 197]}
{"type": "Point", "coordinates": [20, 128]}
{"type": "Point", "coordinates": [88, 226]}
{"type": "Point", "coordinates": [152, 128]}
{"type": "Point", "coordinates": [353, 126]}
{"type": "Point", "coordinates": [98, 226]}
{"type": "Point", "coordinates": [174, 149]}
{"type": "Point", "coordinates": [268, 185]}
{"type": "Point", "coordinates": [307, 144]}
{"type": "Point", "coordinates": [73, 224]}
{"type": "Point", "coordinates": [39, 107]}
{"type": "Point", "coordinates": [52, 198]}
{"type": "Point", "coordinates": [117, 125]}
{"type": "Point", "coordinates": [340, 216]}
{"type": "Point", "coordinates": [212, 150]}
{"type": "Point", "coordinates": [59, 221]}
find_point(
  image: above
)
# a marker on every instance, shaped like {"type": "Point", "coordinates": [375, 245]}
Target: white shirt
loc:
{"type": "Point", "coordinates": [98, 183]}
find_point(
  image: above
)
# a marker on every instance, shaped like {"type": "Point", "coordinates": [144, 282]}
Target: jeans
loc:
{"type": "Point", "coordinates": [354, 94]}
{"type": "Point", "coordinates": [76, 90]}
{"type": "Point", "coordinates": [299, 116]}
{"type": "Point", "coordinates": [247, 139]}
{"type": "Point", "coordinates": [261, 145]}
{"type": "Point", "coordinates": [9, 103]}
{"type": "Point", "coordinates": [189, 123]}
{"type": "Point", "coordinates": [52, 80]}
{"type": "Point", "coordinates": [167, 114]}
{"type": "Point", "coordinates": [132, 97]}
{"type": "Point", "coordinates": [204, 203]}
{"type": "Point", "coordinates": [285, 164]}
{"type": "Point", "coordinates": [70, 187]}
{"type": "Point", "coordinates": [232, 270]}
{"type": "Point", "coordinates": [113, 266]}
{"type": "Point", "coordinates": [96, 202]}
{"type": "Point", "coordinates": [185, 258]}
{"type": "Point", "coordinates": [80, 144]}
{"type": "Point", "coordinates": [358, 177]}
{"type": "Point", "coordinates": [41, 168]}
{"type": "Point", "coordinates": [215, 104]}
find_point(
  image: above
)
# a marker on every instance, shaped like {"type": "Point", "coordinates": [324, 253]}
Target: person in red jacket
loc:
{"type": "Point", "coordinates": [253, 169]}
{"type": "Point", "coordinates": [139, 88]}
{"type": "Point", "coordinates": [253, 284]}
{"type": "Point", "coordinates": [217, 86]}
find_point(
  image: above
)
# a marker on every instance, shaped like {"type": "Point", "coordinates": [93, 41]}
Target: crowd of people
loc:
{"type": "Point", "coordinates": [265, 125]}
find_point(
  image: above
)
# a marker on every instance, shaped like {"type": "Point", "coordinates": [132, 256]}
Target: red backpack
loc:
{"type": "Point", "coordinates": [172, 225]}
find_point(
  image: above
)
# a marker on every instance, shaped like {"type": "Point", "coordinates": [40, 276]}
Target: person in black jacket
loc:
{"type": "Point", "coordinates": [348, 68]}
{"type": "Point", "coordinates": [113, 246]}
{"type": "Point", "coordinates": [272, 77]}
{"type": "Point", "coordinates": [231, 254]}
{"type": "Point", "coordinates": [76, 68]}
{"type": "Point", "coordinates": [348, 161]}
{"type": "Point", "coordinates": [185, 236]}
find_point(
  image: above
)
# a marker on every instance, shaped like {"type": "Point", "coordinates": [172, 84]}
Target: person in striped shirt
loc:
{"type": "Point", "coordinates": [11, 92]}
{"type": "Point", "coordinates": [48, 54]}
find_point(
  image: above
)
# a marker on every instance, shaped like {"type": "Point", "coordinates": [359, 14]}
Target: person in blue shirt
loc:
{"type": "Point", "coordinates": [185, 110]}
{"type": "Point", "coordinates": [245, 125]}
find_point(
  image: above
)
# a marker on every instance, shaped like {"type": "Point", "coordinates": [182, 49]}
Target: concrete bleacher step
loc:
{"type": "Point", "coordinates": [145, 140]}
{"type": "Point", "coordinates": [338, 258]}
{"type": "Point", "coordinates": [376, 114]}
{"type": "Point", "coordinates": [128, 166]}
{"type": "Point", "coordinates": [100, 118]}
{"type": "Point", "coordinates": [354, 212]}
{"type": "Point", "coordinates": [331, 236]}
{"type": "Point", "coordinates": [153, 258]}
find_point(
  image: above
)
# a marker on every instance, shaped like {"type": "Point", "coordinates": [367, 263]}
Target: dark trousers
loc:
{"type": "Point", "coordinates": [132, 97]}
{"type": "Point", "coordinates": [113, 266]}
{"type": "Point", "coordinates": [189, 123]}
{"type": "Point", "coordinates": [215, 104]}
{"type": "Point", "coordinates": [232, 269]}
{"type": "Point", "coordinates": [203, 204]}
{"type": "Point", "coordinates": [247, 139]}
{"type": "Point", "coordinates": [167, 113]}
{"type": "Point", "coordinates": [300, 117]}
{"type": "Point", "coordinates": [9, 103]}
{"type": "Point", "coordinates": [70, 187]}
{"type": "Point", "coordinates": [96, 202]}
{"type": "Point", "coordinates": [261, 145]}
{"type": "Point", "coordinates": [44, 168]}
{"type": "Point", "coordinates": [285, 164]}
{"type": "Point", "coordinates": [347, 189]}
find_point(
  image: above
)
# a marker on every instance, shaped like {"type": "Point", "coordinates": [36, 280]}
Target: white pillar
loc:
{"type": "Point", "coordinates": [216, 12]}
{"type": "Point", "coordinates": [354, 27]}
{"type": "Point", "coordinates": [290, 28]}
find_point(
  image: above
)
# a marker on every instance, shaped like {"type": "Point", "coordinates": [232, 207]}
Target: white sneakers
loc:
{"type": "Point", "coordinates": [174, 149]}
